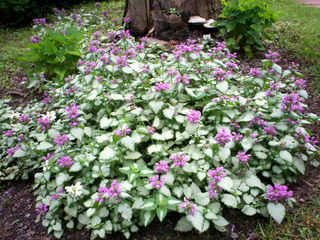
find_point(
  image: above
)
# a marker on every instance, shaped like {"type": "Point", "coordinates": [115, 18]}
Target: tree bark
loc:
{"type": "Point", "coordinates": [146, 15]}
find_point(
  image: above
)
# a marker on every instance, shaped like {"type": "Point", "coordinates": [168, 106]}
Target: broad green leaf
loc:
{"type": "Point", "coordinates": [76, 167]}
{"type": "Point", "coordinates": [103, 212]}
{"type": "Point", "coordinates": [147, 217]}
{"type": "Point", "coordinates": [277, 211]}
{"type": "Point", "coordinates": [224, 153]}
{"type": "Point", "coordinates": [95, 220]}
{"type": "Point", "coordinates": [156, 106]}
{"type": "Point", "coordinates": [149, 204]}
{"type": "Point", "coordinates": [222, 86]}
{"type": "Point", "coordinates": [77, 133]}
{"type": "Point", "coordinates": [61, 178]}
{"type": "Point", "coordinates": [19, 153]}
{"type": "Point", "coordinates": [71, 210]}
{"type": "Point", "coordinates": [161, 213]}
{"type": "Point", "coordinates": [229, 200]}
{"type": "Point", "coordinates": [44, 146]}
{"type": "Point", "coordinates": [221, 221]}
{"type": "Point", "coordinates": [128, 142]}
{"type": "Point", "coordinates": [92, 95]}
{"type": "Point", "coordinates": [90, 212]}
{"type": "Point", "coordinates": [107, 153]}
{"type": "Point", "coordinates": [248, 210]}
{"type": "Point", "coordinates": [183, 225]}
{"type": "Point", "coordinates": [105, 122]}
{"type": "Point", "coordinates": [154, 148]}
{"type": "Point", "coordinates": [226, 183]}
{"type": "Point", "coordinates": [284, 154]}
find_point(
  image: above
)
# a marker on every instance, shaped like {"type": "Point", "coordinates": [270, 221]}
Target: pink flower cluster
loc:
{"type": "Point", "coordinates": [161, 87]}
{"type": "Point", "coordinates": [243, 157]}
{"type": "Point", "coordinates": [60, 140]}
{"type": "Point", "coordinates": [43, 122]}
{"type": "Point", "coordinates": [122, 132]}
{"type": "Point", "coordinates": [11, 151]}
{"type": "Point", "coordinates": [162, 167]}
{"type": "Point", "coordinates": [155, 182]}
{"type": "Point", "coordinates": [151, 129]}
{"type": "Point", "coordinates": [278, 192]}
{"type": "Point", "coordinates": [214, 177]}
{"type": "Point", "coordinates": [193, 116]}
{"type": "Point", "coordinates": [221, 74]}
{"type": "Point", "coordinates": [179, 160]}
{"type": "Point", "coordinates": [42, 209]}
{"type": "Point", "coordinates": [113, 191]}
{"type": "Point", "coordinates": [191, 208]}
{"type": "Point", "coordinates": [56, 195]}
{"type": "Point", "coordinates": [291, 103]}
{"type": "Point", "coordinates": [65, 161]}
{"type": "Point", "coordinates": [223, 137]}
{"type": "Point", "coordinates": [8, 133]}
{"type": "Point", "coordinates": [72, 112]}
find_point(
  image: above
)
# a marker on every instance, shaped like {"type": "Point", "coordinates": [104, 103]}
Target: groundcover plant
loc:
{"type": "Point", "coordinates": [139, 132]}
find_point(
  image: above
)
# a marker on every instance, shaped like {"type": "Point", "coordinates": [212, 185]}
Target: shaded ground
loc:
{"type": "Point", "coordinates": [17, 202]}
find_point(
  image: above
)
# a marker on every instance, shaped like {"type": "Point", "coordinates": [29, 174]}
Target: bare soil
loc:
{"type": "Point", "coordinates": [17, 201]}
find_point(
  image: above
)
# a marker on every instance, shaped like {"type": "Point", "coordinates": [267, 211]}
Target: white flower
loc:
{"type": "Point", "coordinates": [51, 115]}
{"type": "Point", "coordinates": [14, 114]}
{"type": "Point", "coordinates": [206, 37]}
{"type": "Point", "coordinates": [75, 190]}
{"type": "Point", "coordinates": [46, 167]}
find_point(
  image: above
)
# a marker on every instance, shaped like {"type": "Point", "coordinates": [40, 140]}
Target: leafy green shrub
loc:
{"type": "Point", "coordinates": [244, 22]}
{"type": "Point", "coordinates": [139, 133]}
{"type": "Point", "coordinates": [55, 55]}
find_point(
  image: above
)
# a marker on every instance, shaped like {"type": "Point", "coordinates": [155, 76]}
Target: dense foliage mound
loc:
{"type": "Point", "coordinates": [139, 132]}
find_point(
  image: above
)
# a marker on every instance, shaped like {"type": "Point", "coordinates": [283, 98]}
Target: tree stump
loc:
{"type": "Point", "coordinates": [159, 17]}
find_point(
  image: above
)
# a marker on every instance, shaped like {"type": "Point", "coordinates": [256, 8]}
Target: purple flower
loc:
{"type": "Point", "coordinates": [255, 72]}
{"type": "Point", "coordinates": [237, 137]}
{"type": "Point", "coordinates": [11, 151]}
{"type": "Point", "coordinates": [179, 160]}
{"type": "Point", "coordinates": [223, 137]}
{"type": "Point", "coordinates": [220, 74]}
{"type": "Point", "coordinates": [42, 209]}
{"type": "Point", "coordinates": [102, 191]}
{"type": "Point", "coordinates": [162, 167]}
{"type": "Point", "coordinates": [154, 181]}
{"type": "Point", "coordinates": [72, 111]}
{"type": "Point", "coordinates": [300, 83]}
{"type": "Point", "coordinates": [270, 130]}
{"type": "Point", "coordinates": [278, 193]}
{"type": "Point", "coordinates": [44, 122]}
{"type": "Point", "coordinates": [126, 19]}
{"type": "Point", "coordinates": [161, 87]}
{"type": "Point", "coordinates": [56, 195]}
{"type": "Point", "coordinates": [8, 133]}
{"type": "Point", "coordinates": [151, 129]}
{"type": "Point", "coordinates": [47, 98]}
{"type": "Point", "coordinates": [217, 174]}
{"type": "Point", "coordinates": [115, 20]}
{"type": "Point", "coordinates": [98, 4]}
{"type": "Point", "coordinates": [193, 116]}
{"type": "Point", "coordinates": [191, 208]}
{"type": "Point", "coordinates": [114, 190]}
{"type": "Point", "coordinates": [60, 140]}
{"type": "Point", "coordinates": [122, 132]}
{"type": "Point", "coordinates": [46, 159]}
{"type": "Point", "coordinates": [243, 157]}
{"type": "Point", "coordinates": [65, 161]}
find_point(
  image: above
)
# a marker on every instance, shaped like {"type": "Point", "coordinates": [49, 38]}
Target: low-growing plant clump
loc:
{"type": "Point", "coordinates": [138, 133]}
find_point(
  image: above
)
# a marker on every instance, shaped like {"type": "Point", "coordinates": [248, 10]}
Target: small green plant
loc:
{"type": "Point", "coordinates": [172, 11]}
{"type": "Point", "coordinates": [243, 24]}
{"type": "Point", "coordinates": [55, 56]}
